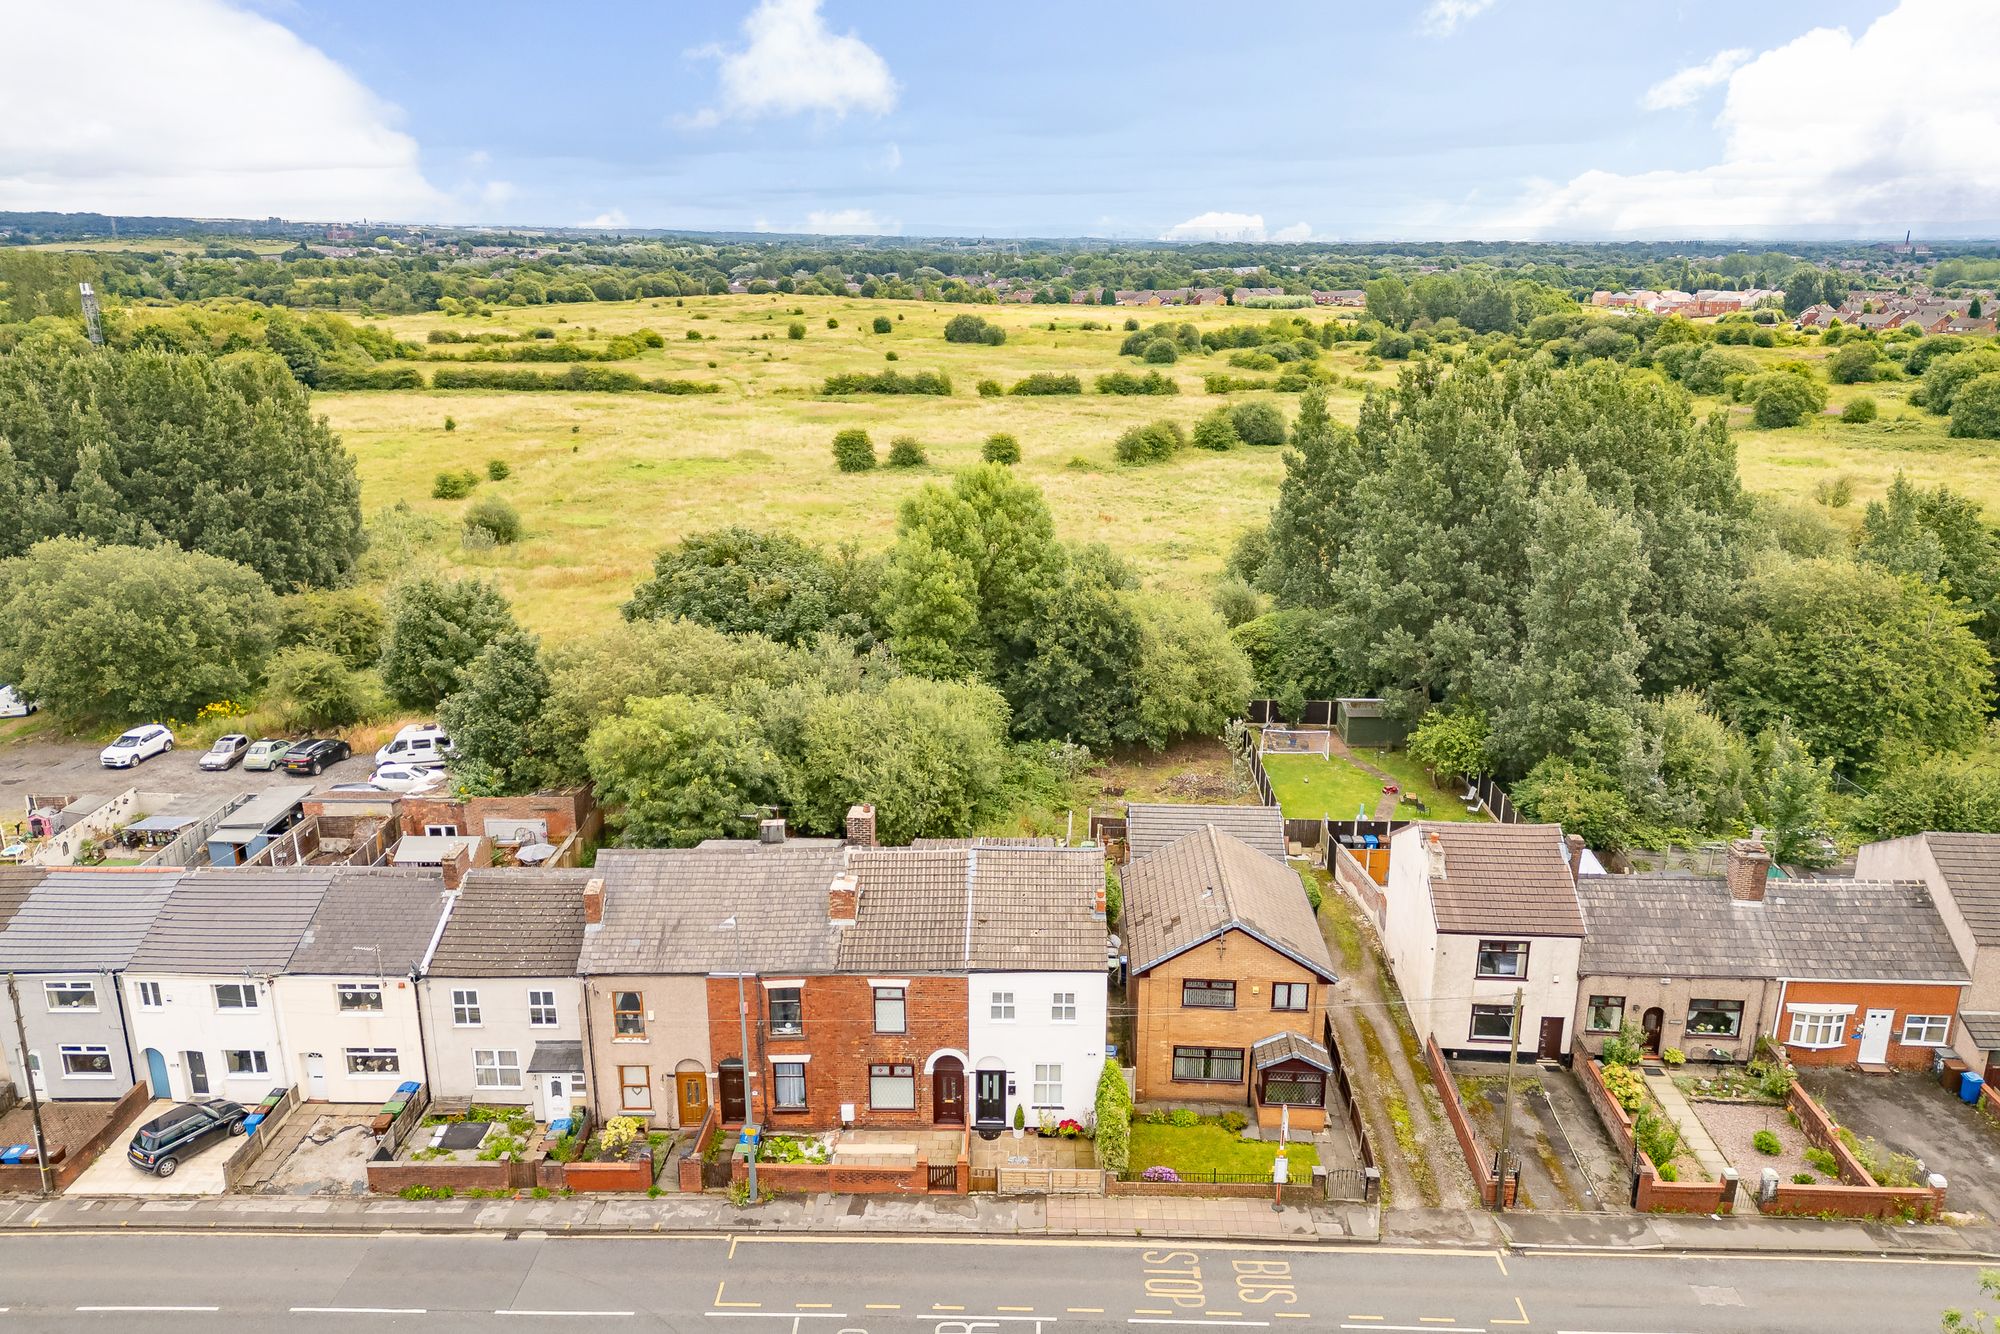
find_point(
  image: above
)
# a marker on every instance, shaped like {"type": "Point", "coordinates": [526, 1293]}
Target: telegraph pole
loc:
{"type": "Point", "coordinates": [34, 1095]}
{"type": "Point", "coordinates": [1507, 1115]}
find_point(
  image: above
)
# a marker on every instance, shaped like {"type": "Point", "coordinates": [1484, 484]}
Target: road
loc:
{"type": "Point", "coordinates": [184, 1283]}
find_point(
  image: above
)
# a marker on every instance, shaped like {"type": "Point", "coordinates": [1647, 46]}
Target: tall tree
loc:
{"type": "Point", "coordinates": [1310, 522]}
{"type": "Point", "coordinates": [1792, 802]}
{"type": "Point", "coordinates": [682, 770]}
{"type": "Point", "coordinates": [495, 719]}
{"type": "Point", "coordinates": [437, 626]}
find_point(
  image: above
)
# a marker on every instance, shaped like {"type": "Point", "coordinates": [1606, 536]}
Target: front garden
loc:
{"type": "Point", "coordinates": [1183, 1145]}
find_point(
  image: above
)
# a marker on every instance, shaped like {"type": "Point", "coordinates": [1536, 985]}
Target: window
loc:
{"type": "Point", "coordinates": [1714, 1018]}
{"type": "Point", "coordinates": [85, 1062]}
{"type": "Point", "coordinates": [1492, 1023]}
{"type": "Point", "coordinates": [541, 1009]}
{"type": "Point", "coordinates": [892, 1088]}
{"type": "Point", "coordinates": [788, 1085]}
{"type": "Point", "coordinates": [71, 995]}
{"type": "Point", "coordinates": [149, 996]}
{"type": "Point", "coordinates": [496, 1069]}
{"type": "Point", "coordinates": [440, 831]}
{"type": "Point", "coordinates": [635, 1088]}
{"type": "Point", "coordinates": [1048, 1086]}
{"type": "Point", "coordinates": [1298, 1088]}
{"type": "Point", "coordinates": [1207, 995]}
{"type": "Point", "coordinates": [374, 1061]}
{"type": "Point", "coordinates": [1926, 1030]}
{"type": "Point", "coordinates": [628, 1014]}
{"type": "Point", "coordinates": [1290, 995]}
{"type": "Point", "coordinates": [1003, 1006]}
{"type": "Point", "coordinates": [787, 1013]}
{"type": "Point", "coordinates": [245, 1063]}
{"type": "Point", "coordinates": [464, 1008]}
{"type": "Point", "coordinates": [890, 1011]}
{"type": "Point", "coordinates": [1605, 1014]}
{"type": "Point", "coordinates": [1209, 1065]}
{"type": "Point", "coordinates": [1503, 958]}
{"type": "Point", "coordinates": [1062, 1007]}
{"type": "Point", "coordinates": [1818, 1028]}
{"type": "Point", "coordinates": [358, 997]}
{"type": "Point", "coordinates": [236, 995]}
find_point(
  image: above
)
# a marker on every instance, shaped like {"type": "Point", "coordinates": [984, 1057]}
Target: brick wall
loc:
{"type": "Point", "coordinates": [1217, 1190]}
{"type": "Point", "coordinates": [1904, 998]}
{"type": "Point", "coordinates": [820, 1178]}
{"type": "Point", "coordinates": [1358, 881]}
{"type": "Point", "coordinates": [389, 1178]}
{"type": "Point", "coordinates": [68, 1162]}
{"type": "Point", "coordinates": [563, 810]}
{"type": "Point", "coordinates": [588, 1177]}
{"type": "Point", "coordinates": [1468, 1143]}
{"type": "Point", "coordinates": [1163, 1023]}
{"type": "Point", "coordinates": [1858, 1196]}
{"type": "Point", "coordinates": [1653, 1195]}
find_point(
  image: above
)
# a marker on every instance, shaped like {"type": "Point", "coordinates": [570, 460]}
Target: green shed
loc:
{"type": "Point", "coordinates": [1366, 722]}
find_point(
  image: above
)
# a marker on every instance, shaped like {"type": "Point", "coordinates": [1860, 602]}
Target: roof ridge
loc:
{"type": "Point", "coordinates": [1230, 915]}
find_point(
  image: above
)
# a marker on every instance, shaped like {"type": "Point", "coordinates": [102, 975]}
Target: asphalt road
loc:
{"type": "Point", "coordinates": [180, 1284]}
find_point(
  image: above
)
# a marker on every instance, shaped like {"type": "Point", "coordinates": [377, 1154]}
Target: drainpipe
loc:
{"type": "Point", "coordinates": [590, 1048]}
{"type": "Point", "coordinates": [278, 1020]}
{"type": "Point", "coordinates": [1778, 1016]}
{"type": "Point", "coordinates": [116, 981]}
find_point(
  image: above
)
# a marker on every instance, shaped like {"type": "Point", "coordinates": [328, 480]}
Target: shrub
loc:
{"type": "Point", "coordinates": [1784, 399]}
{"type": "Point", "coordinates": [1314, 898]}
{"type": "Point", "coordinates": [832, 323]}
{"type": "Point", "coordinates": [1803, 1179]}
{"type": "Point", "coordinates": [796, 329]}
{"type": "Point", "coordinates": [973, 329]}
{"type": "Point", "coordinates": [1124, 382]}
{"type": "Point", "coordinates": [1131, 323]}
{"type": "Point", "coordinates": [1160, 352]}
{"type": "Point", "coordinates": [1624, 1047]}
{"type": "Point", "coordinates": [881, 324]}
{"type": "Point", "coordinates": [1217, 431]}
{"type": "Point", "coordinates": [619, 1132]}
{"type": "Point", "coordinates": [1001, 448]}
{"type": "Point", "coordinates": [1860, 409]}
{"type": "Point", "coordinates": [853, 451]}
{"type": "Point", "coordinates": [890, 356]}
{"type": "Point", "coordinates": [1668, 1172]}
{"type": "Point", "coordinates": [1674, 1056]}
{"type": "Point", "coordinates": [1046, 383]}
{"type": "Point", "coordinates": [1183, 1117]}
{"type": "Point", "coordinates": [888, 382]}
{"type": "Point", "coordinates": [494, 517]}
{"type": "Point", "coordinates": [1975, 409]}
{"type": "Point", "coordinates": [1166, 1174]}
{"type": "Point", "coordinates": [1767, 1143]}
{"type": "Point", "coordinates": [1258, 423]}
{"type": "Point", "coordinates": [1234, 1122]}
{"type": "Point", "coordinates": [1776, 1082]}
{"type": "Point", "coordinates": [1152, 443]}
{"type": "Point", "coordinates": [694, 335]}
{"type": "Point", "coordinates": [1658, 1139]}
{"type": "Point", "coordinates": [454, 485]}
{"type": "Point", "coordinates": [1824, 1160]}
{"type": "Point", "coordinates": [905, 452]}
{"type": "Point", "coordinates": [498, 470]}
{"type": "Point", "coordinates": [315, 688]}
{"type": "Point", "coordinates": [990, 389]}
{"type": "Point", "coordinates": [1626, 1086]}
{"type": "Point", "coordinates": [450, 425]}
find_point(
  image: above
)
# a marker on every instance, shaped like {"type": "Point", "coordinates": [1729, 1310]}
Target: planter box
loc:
{"type": "Point", "coordinates": [627, 1176]}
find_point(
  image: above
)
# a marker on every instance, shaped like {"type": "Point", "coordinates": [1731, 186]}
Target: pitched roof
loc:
{"type": "Point", "coordinates": [1970, 865]}
{"type": "Point", "coordinates": [16, 882]}
{"type": "Point", "coordinates": [512, 922]}
{"type": "Point", "coordinates": [663, 909]}
{"type": "Point", "coordinates": [1816, 930]}
{"type": "Point", "coordinates": [1983, 1027]}
{"type": "Point", "coordinates": [84, 919]}
{"type": "Point", "coordinates": [1289, 1047]}
{"type": "Point", "coordinates": [1150, 827]}
{"type": "Point", "coordinates": [978, 908]}
{"type": "Point", "coordinates": [1207, 883]}
{"type": "Point", "coordinates": [371, 921]}
{"type": "Point", "coordinates": [225, 921]}
{"type": "Point", "coordinates": [1025, 841]}
{"type": "Point", "coordinates": [1508, 878]}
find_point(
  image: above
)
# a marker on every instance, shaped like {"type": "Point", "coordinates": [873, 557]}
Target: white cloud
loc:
{"type": "Point", "coordinates": [792, 63]}
{"type": "Point", "coordinates": [495, 193]}
{"type": "Point", "coordinates": [609, 219]}
{"type": "Point", "coordinates": [1298, 231]}
{"type": "Point", "coordinates": [1214, 226]}
{"type": "Point", "coordinates": [195, 107]}
{"type": "Point", "coordinates": [850, 222]}
{"type": "Point", "coordinates": [1796, 154]}
{"type": "Point", "coordinates": [1441, 18]}
{"type": "Point", "coordinates": [1686, 87]}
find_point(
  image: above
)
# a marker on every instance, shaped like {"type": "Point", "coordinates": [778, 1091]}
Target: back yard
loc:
{"type": "Point", "coordinates": [1313, 787]}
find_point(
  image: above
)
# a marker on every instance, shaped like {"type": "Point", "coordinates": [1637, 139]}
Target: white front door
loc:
{"type": "Point", "coordinates": [1875, 1036]}
{"type": "Point", "coordinates": [35, 1079]}
{"type": "Point", "coordinates": [555, 1104]}
{"type": "Point", "coordinates": [315, 1077]}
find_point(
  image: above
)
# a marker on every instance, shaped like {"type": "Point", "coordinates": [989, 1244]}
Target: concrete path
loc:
{"type": "Point", "coordinates": [1699, 1146]}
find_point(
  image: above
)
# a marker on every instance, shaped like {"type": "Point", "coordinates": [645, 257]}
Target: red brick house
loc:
{"type": "Point", "coordinates": [505, 822]}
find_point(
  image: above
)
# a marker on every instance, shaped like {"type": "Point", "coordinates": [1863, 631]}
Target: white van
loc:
{"type": "Point", "coordinates": [420, 745]}
{"type": "Point", "coordinates": [13, 706]}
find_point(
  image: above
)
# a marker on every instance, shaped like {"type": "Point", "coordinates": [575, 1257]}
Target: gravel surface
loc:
{"type": "Point", "coordinates": [1732, 1124]}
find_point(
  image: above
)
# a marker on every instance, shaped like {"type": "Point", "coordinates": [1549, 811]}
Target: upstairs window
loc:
{"type": "Point", "coordinates": [1207, 994]}
{"type": "Point", "coordinates": [1507, 959]}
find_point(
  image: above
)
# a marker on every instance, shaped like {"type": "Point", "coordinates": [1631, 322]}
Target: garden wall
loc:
{"type": "Point", "coordinates": [66, 1163]}
{"type": "Point", "coordinates": [819, 1178]}
{"type": "Point", "coordinates": [1652, 1195]}
{"type": "Point", "coordinates": [690, 1169]}
{"type": "Point", "coordinates": [1461, 1126]}
{"type": "Point", "coordinates": [1207, 1190]}
{"type": "Point", "coordinates": [252, 1149]}
{"type": "Point", "coordinates": [1356, 880]}
{"type": "Point", "coordinates": [1858, 1196]}
{"type": "Point", "coordinates": [636, 1175]}
{"type": "Point", "coordinates": [390, 1178]}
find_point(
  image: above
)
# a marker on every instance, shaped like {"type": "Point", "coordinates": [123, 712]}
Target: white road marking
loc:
{"type": "Point", "coordinates": [783, 1315]}
{"type": "Point", "coordinates": [359, 1310]}
{"type": "Point", "coordinates": [578, 1313]}
{"type": "Point", "coordinates": [148, 1308]}
{"type": "Point", "coordinates": [1427, 1329]}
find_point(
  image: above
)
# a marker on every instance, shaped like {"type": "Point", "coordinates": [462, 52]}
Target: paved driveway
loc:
{"type": "Point", "coordinates": [1913, 1114]}
{"type": "Point", "coordinates": [114, 1174]}
{"type": "Point", "coordinates": [40, 765]}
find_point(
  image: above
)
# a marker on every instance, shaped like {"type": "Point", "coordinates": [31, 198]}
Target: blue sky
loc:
{"type": "Point", "coordinates": [1448, 118]}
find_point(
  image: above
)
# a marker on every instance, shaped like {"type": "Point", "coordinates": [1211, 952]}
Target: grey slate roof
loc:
{"type": "Point", "coordinates": [972, 909]}
{"type": "Point", "coordinates": [15, 884]}
{"type": "Point", "coordinates": [557, 1058]}
{"type": "Point", "coordinates": [1030, 841]}
{"type": "Point", "coordinates": [371, 920]}
{"type": "Point", "coordinates": [224, 921]}
{"type": "Point", "coordinates": [1502, 879]}
{"type": "Point", "coordinates": [1206, 883]}
{"type": "Point", "coordinates": [1289, 1047]}
{"type": "Point", "coordinates": [1970, 865]}
{"type": "Point", "coordinates": [84, 919]}
{"type": "Point", "coordinates": [1983, 1027]}
{"type": "Point", "coordinates": [1814, 930]}
{"type": "Point", "coordinates": [512, 922]}
{"type": "Point", "coordinates": [663, 909]}
{"type": "Point", "coordinates": [1148, 828]}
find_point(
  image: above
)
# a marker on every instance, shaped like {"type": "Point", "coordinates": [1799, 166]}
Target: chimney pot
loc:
{"type": "Point", "coordinates": [843, 896]}
{"type": "Point", "coordinates": [1748, 868]}
{"type": "Point", "coordinates": [861, 825]}
{"type": "Point", "coordinates": [1097, 901]}
{"type": "Point", "coordinates": [771, 831]}
{"type": "Point", "coordinates": [593, 901]}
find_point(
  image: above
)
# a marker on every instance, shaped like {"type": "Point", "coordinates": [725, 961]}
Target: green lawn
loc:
{"type": "Point", "coordinates": [1439, 803]}
{"type": "Point", "coordinates": [1309, 787]}
{"type": "Point", "coordinates": [1199, 1150]}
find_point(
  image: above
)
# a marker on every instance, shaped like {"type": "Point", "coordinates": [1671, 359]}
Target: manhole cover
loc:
{"type": "Point", "coordinates": [465, 1134]}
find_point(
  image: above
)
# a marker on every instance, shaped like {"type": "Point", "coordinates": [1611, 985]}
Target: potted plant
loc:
{"type": "Point", "coordinates": [1046, 1125]}
{"type": "Point", "coordinates": [1020, 1120]}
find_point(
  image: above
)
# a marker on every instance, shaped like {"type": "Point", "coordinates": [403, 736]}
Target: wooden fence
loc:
{"type": "Point", "coordinates": [1314, 713]}
{"type": "Point", "coordinates": [1049, 1181]}
{"type": "Point", "coordinates": [1360, 1184]}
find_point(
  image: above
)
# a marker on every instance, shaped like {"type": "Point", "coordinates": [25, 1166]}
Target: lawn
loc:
{"type": "Point", "coordinates": [1199, 1151]}
{"type": "Point", "coordinates": [1439, 803]}
{"type": "Point", "coordinates": [1310, 787]}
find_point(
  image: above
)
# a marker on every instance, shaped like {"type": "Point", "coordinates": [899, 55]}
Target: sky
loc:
{"type": "Point", "coordinates": [1135, 119]}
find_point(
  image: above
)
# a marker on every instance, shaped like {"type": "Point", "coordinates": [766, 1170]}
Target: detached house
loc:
{"type": "Point", "coordinates": [1229, 979]}
{"type": "Point", "coordinates": [1475, 912]}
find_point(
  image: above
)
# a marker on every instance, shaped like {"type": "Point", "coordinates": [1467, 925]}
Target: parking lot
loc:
{"type": "Point", "coordinates": [44, 766]}
{"type": "Point", "coordinates": [1912, 1113]}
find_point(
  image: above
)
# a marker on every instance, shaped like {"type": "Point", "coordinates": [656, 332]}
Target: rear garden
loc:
{"type": "Point", "coordinates": [1347, 787]}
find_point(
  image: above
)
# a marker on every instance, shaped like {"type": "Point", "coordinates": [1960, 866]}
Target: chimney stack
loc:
{"type": "Point", "coordinates": [861, 826]}
{"type": "Point", "coordinates": [842, 897]}
{"type": "Point", "coordinates": [1749, 865]}
{"type": "Point", "coordinates": [455, 864]}
{"type": "Point", "coordinates": [593, 901]}
{"type": "Point", "coordinates": [1575, 844]}
{"type": "Point", "coordinates": [770, 832]}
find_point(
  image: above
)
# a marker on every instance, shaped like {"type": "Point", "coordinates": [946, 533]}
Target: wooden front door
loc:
{"type": "Point", "coordinates": [948, 1092]}
{"type": "Point", "coordinates": [1551, 1045]}
{"type": "Point", "coordinates": [1652, 1022]}
{"type": "Point", "coordinates": [692, 1096]}
{"type": "Point", "coordinates": [733, 1105]}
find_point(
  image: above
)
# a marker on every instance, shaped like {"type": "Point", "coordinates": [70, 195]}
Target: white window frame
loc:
{"type": "Point", "coordinates": [497, 1067]}
{"type": "Point", "coordinates": [546, 1004]}
{"type": "Point", "coordinates": [259, 1063]}
{"type": "Point", "coordinates": [1809, 1029]}
{"type": "Point", "coordinates": [1001, 1007]}
{"type": "Point", "coordinates": [343, 990]}
{"type": "Point", "coordinates": [246, 995]}
{"type": "Point", "coordinates": [1924, 1023]}
{"type": "Point", "coordinates": [440, 831]}
{"type": "Point", "coordinates": [1048, 1085]}
{"type": "Point", "coordinates": [71, 985]}
{"type": "Point", "coordinates": [779, 1077]}
{"type": "Point", "coordinates": [1062, 1007]}
{"type": "Point", "coordinates": [150, 997]}
{"type": "Point", "coordinates": [894, 1081]}
{"type": "Point", "coordinates": [898, 998]}
{"type": "Point", "coordinates": [465, 1012]}
{"type": "Point", "coordinates": [643, 1085]}
{"type": "Point", "coordinates": [393, 1055]}
{"type": "Point", "coordinates": [64, 1052]}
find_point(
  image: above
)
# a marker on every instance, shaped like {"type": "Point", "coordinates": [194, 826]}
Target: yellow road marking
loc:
{"type": "Point", "coordinates": [1086, 1310]}
{"type": "Point", "coordinates": [720, 1303]}
{"type": "Point", "coordinates": [813, 1306]}
{"type": "Point", "coordinates": [1509, 1320]}
{"type": "Point", "coordinates": [732, 1245]}
{"type": "Point", "coordinates": [1141, 1310]}
{"type": "Point", "coordinates": [1013, 1308]}
{"type": "Point", "coordinates": [1295, 1315]}
{"type": "Point", "coordinates": [1500, 1260]}
{"type": "Point", "coordinates": [1236, 1313]}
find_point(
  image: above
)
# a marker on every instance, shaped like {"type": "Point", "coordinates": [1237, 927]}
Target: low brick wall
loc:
{"type": "Point", "coordinates": [390, 1178]}
{"type": "Point", "coordinates": [67, 1162]}
{"type": "Point", "coordinates": [584, 1178]}
{"type": "Point", "coordinates": [1653, 1195]}
{"type": "Point", "coordinates": [690, 1166]}
{"type": "Point", "coordinates": [837, 1178]}
{"type": "Point", "coordinates": [251, 1150]}
{"type": "Point", "coordinates": [1461, 1126]}
{"type": "Point", "coordinates": [1819, 1130]}
{"type": "Point", "coordinates": [1858, 1195]}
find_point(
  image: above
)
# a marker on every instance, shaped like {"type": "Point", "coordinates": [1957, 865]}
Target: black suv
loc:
{"type": "Point", "coordinates": [315, 754]}
{"type": "Point", "coordinates": [179, 1131]}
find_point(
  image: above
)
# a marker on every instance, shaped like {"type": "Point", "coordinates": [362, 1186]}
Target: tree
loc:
{"type": "Point", "coordinates": [1955, 792]}
{"type": "Point", "coordinates": [1001, 448]}
{"type": "Point", "coordinates": [1975, 410]}
{"type": "Point", "coordinates": [344, 621]}
{"type": "Point", "coordinates": [495, 719]}
{"type": "Point", "coordinates": [1388, 300]}
{"type": "Point", "coordinates": [745, 582]}
{"type": "Point", "coordinates": [437, 626]}
{"type": "Point", "coordinates": [1581, 798]}
{"type": "Point", "coordinates": [1191, 677]}
{"type": "Point", "coordinates": [853, 451]}
{"type": "Point", "coordinates": [1454, 742]}
{"type": "Point", "coordinates": [1792, 803]}
{"type": "Point", "coordinates": [1939, 537]}
{"type": "Point", "coordinates": [973, 329]}
{"type": "Point", "coordinates": [1784, 399]}
{"type": "Point", "coordinates": [1258, 423]}
{"type": "Point", "coordinates": [881, 324]}
{"type": "Point", "coordinates": [1946, 375]}
{"type": "Point", "coordinates": [1312, 518]}
{"type": "Point", "coordinates": [681, 770]}
{"type": "Point", "coordinates": [1076, 680]}
{"type": "Point", "coordinates": [930, 609]}
{"type": "Point", "coordinates": [492, 520]}
{"type": "Point", "coordinates": [1154, 442]}
{"type": "Point", "coordinates": [115, 634]}
{"type": "Point", "coordinates": [1704, 766]}
{"type": "Point", "coordinates": [1856, 360]}
{"type": "Point", "coordinates": [315, 689]}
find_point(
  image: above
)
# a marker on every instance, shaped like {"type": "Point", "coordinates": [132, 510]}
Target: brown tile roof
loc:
{"type": "Point", "coordinates": [1207, 883]}
{"type": "Point", "coordinates": [982, 908]}
{"type": "Point", "coordinates": [1512, 879]}
{"type": "Point", "coordinates": [1150, 827]}
{"type": "Point", "coordinates": [1289, 1047]}
{"type": "Point", "coordinates": [509, 922]}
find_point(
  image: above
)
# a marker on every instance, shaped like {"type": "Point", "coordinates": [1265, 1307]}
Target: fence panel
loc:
{"type": "Point", "coordinates": [1348, 1185]}
{"type": "Point", "coordinates": [1049, 1181]}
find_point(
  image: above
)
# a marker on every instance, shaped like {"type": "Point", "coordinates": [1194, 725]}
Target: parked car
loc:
{"type": "Point", "coordinates": [12, 705]}
{"type": "Point", "coordinates": [136, 746]}
{"type": "Point", "coordinates": [315, 754]}
{"type": "Point", "coordinates": [405, 778]}
{"type": "Point", "coordinates": [268, 753]}
{"type": "Point", "coordinates": [423, 745]}
{"type": "Point", "coordinates": [182, 1131]}
{"type": "Point", "coordinates": [226, 753]}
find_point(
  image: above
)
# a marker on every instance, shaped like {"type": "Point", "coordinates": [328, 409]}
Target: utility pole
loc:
{"type": "Point", "coordinates": [1507, 1114]}
{"type": "Point", "coordinates": [743, 1031]}
{"type": "Point", "coordinates": [34, 1095]}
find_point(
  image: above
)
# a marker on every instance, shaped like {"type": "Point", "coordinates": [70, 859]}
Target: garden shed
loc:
{"type": "Point", "coordinates": [1366, 722]}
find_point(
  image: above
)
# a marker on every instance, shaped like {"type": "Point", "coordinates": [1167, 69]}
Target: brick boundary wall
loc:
{"type": "Point", "coordinates": [585, 1178]}
{"type": "Point", "coordinates": [1858, 1195]}
{"type": "Point", "coordinates": [68, 1165]}
{"type": "Point", "coordinates": [690, 1167]}
{"type": "Point", "coordinates": [390, 1178]}
{"type": "Point", "coordinates": [1654, 1195]}
{"type": "Point", "coordinates": [819, 1178]}
{"type": "Point", "coordinates": [1205, 1190]}
{"type": "Point", "coordinates": [252, 1149]}
{"type": "Point", "coordinates": [1461, 1125]}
